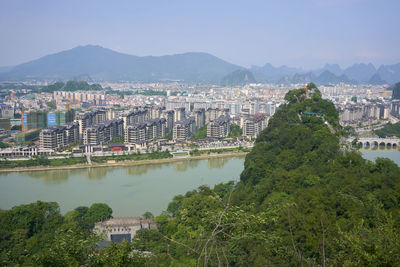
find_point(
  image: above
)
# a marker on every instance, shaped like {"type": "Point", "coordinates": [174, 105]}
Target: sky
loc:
{"type": "Point", "coordinates": [299, 33]}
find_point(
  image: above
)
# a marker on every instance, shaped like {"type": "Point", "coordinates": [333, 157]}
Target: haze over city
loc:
{"type": "Point", "coordinates": [304, 34]}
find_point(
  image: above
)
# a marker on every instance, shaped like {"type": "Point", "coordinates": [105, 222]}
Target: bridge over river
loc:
{"type": "Point", "coordinates": [378, 142]}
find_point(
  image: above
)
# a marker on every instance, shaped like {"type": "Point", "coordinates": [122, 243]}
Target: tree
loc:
{"type": "Point", "coordinates": [201, 133]}
{"type": "Point", "coordinates": [148, 215]}
{"type": "Point", "coordinates": [236, 131]}
{"type": "Point", "coordinates": [97, 212]}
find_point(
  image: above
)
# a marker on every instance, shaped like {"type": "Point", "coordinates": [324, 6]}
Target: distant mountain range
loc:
{"type": "Point", "coordinates": [95, 63]}
{"type": "Point", "coordinates": [330, 73]}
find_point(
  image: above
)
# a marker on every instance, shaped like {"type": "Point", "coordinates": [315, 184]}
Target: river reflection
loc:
{"type": "Point", "coordinates": [184, 165]}
{"type": "Point", "coordinates": [130, 190]}
{"type": "Point", "coordinates": [142, 169]}
{"type": "Point", "coordinates": [217, 162]}
{"type": "Point", "coordinates": [98, 173]}
{"type": "Point", "coordinates": [61, 176]}
{"type": "Point", "coordinates": [51, 177]}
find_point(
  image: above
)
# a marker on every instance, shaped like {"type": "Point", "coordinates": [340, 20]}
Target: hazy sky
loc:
{"type": "Point", "coordinates": [305, 33]}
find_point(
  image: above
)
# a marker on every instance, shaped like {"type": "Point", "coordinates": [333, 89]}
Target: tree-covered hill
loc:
{"type": "Point", "coordinates": [71, 86]}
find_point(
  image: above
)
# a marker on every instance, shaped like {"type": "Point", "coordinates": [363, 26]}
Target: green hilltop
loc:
{"type": "Point", "coordinates": [71, 86]}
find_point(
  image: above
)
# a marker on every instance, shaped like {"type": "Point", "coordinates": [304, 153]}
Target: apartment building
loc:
{"type": "Point", "coordinates": [214, 113]}
{"type": "Point", "coordinates": [219, 128]}
{"type": "Point", "coordinates": [254, 125]}
{"type": "Point", "coordinates": [103, 132]}
{"type": "Point", "coordinates": [200, 117]}
{"type": "Point", "coordinates": [183, 129]}
{"type": "Point", "coordinates": [135, 134]}
{"type": "Point", "coordinates": [53, 138]}
{"type": "Point", "coordinates": [139, 133]}
{"type": "Point", "coordinates": [180, 114]}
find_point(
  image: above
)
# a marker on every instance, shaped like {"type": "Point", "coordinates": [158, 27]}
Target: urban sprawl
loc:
{"type": "Point", "coordinates": [132, 117]}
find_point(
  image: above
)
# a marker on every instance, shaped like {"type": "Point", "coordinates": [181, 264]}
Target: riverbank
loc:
{"type": "Point", "coordinates": [126, 163]}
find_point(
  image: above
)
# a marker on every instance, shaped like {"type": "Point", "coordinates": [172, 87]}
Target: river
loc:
{"type": "Point", "coordinates": [129, 191]}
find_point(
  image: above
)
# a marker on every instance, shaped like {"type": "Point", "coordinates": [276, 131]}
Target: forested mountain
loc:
{"type": "Point", "coordinates": [303, 199]}
{"type": "Point", "coordinates": [103, 64]}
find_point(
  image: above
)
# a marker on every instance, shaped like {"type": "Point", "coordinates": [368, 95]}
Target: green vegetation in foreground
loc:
{"type": "Point", "coordinates": [43, 161]}
{"type": "Point", "coordinates": [389, 130]}
{"type": "Point", "coordinates": [38, 235]}
{"type": "Point", "coordinates": [302, 200]}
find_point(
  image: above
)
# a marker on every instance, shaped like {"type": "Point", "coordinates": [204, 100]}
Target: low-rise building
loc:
{"type": "Point", "coordinates": [118, 229]}
{"type": "Point", "coordinates": [25, 151]}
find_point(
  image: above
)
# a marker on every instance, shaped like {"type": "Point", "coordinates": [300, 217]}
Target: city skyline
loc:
{"type": "Point", "coordinates": [304, 34]}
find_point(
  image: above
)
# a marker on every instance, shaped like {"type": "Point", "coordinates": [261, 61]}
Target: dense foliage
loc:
{"type": "Point", "coordinates": [389, 130]}
{"type": "Point", "coordinates": [38, 235]}
{"type": "Point", "coordinates": [201, 133]}
{"type": "Point", "coordinates": [236, 131]}
{"type": "Point", "coordinates": [71, 86]}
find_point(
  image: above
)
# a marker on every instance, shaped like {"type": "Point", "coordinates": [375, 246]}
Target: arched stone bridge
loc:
{"type": "Point", "coordinates": [378, 142]}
